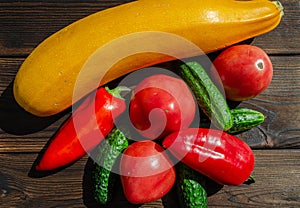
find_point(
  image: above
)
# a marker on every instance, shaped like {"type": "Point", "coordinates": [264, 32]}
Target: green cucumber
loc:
{"type": "Point", "coordinates": [190, 187]}
{"type": "Point", "coordinates": [208, 96]}
{"type": "Point", "coordinates": [102, 176]}
{"type": "Point", "coordinates": [245, 119]}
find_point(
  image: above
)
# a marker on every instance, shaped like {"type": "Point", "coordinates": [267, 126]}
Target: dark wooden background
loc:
{"type": "Point", "coordinates": [25, 23]}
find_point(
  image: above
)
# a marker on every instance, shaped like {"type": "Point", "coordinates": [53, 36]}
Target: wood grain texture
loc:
{"type": "Point", "coordinates": [285, 39]}
{"type": "Point", "coordinates": [277, 175]}
{"type": "Point", "coordinates": [24, 24]}
{"type": "Point", "coordinates": [273, 171]}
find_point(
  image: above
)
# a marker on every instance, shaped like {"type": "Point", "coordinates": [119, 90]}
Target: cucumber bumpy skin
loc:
{"type": "Point", "coordinates": [103, 178]}
{"type": "Point", "coordinates": [245, 119]}
{"type": "Point", "coordinates": [190, 187]}
{"type": "Point", "coordinates": [208, 96]}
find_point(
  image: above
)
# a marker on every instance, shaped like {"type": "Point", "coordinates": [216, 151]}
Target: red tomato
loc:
{"type": "Point", "coordinates": [244, 70]}
{"type": "Point", "coordinates": [161, 104]}
{"type": "Point", "coordinates": [147, 173]}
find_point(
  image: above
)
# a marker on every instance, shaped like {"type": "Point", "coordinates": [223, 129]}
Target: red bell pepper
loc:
{"type": "Point", "coordinates": [89, 124]}
{"type": "Point", "coordinates": [220, 156]}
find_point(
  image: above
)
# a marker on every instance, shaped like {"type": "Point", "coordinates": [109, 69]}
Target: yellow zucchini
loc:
{"type": "Point", "coordinates": [45, 82]}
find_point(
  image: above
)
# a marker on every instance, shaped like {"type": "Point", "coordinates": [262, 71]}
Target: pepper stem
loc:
{"type": "Point", "coordinates": [116, 92]}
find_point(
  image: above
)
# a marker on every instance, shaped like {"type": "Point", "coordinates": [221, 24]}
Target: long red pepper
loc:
{"type": "Point", "coordinates": [220, 156]}
{"type": "Point", "coordinates": [85, 129]}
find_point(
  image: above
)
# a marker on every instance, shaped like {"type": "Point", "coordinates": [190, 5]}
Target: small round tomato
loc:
{"type": "Point", "coordinates": [245, 71]}
{"type": "Point", "coordinates": [147, 173]}
{"type": "Point", "coordinates": [161, 104]}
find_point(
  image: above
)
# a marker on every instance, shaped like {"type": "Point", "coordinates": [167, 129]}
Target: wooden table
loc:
{"type": "Point", "coordinates": [276, 142]}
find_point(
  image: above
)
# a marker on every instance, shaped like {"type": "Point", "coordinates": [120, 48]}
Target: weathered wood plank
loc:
{"type": "Point", "coordinates": [277, 174]}
{"type": "Point", "coordinates": [24, 24]}
{"type": "Point", "coordinates": [22, 132]}
{"type": "Point", "coordinates": [277, 183]}
{"type": "Point", "coordinates": [277, 41]}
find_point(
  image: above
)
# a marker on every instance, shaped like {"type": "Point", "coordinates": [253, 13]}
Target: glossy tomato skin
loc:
{"type": "Point", "coordinates": [147, 173]}
{"type": "Point", "coordinates": [161, 104]}
{"type": "Point", "coordinates": [245, 71]}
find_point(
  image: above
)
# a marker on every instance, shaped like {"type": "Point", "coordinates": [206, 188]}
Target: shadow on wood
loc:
{"type": "Point", "coordinates": [171, 200]}
{"type": "Point", "coordinates": [33, 173]}
{"type": "Point", "coordinates": [118, 198]}
{"type": "Point", "coordinates": [15, 120]}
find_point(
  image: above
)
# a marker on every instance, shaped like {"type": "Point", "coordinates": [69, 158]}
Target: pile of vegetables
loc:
{"type": "Point", "coordinates": [146, 169]}
{"type": "Point", "coordinates": [162, 109]}
{"type": "Point", "coordinates": [169, 147]}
